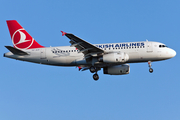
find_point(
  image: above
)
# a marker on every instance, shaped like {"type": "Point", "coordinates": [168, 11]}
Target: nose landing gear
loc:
{"type": "Point", "coordinates": [150, 69]}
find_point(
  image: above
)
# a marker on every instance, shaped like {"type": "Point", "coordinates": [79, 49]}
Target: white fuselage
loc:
{"type": "Point", "coordinates": [69, 56]}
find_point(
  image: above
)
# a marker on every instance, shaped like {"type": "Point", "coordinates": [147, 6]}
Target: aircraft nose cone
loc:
{"type": "Point", "coordinates": [173, 53]}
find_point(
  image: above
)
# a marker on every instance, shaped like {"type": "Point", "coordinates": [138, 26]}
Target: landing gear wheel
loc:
{"type": "Point", "coordinates": [92, 69]}
{"type": "Point", "coordinates": [96, 77]}
{"type": "Point", "coordinates": [150, 70]}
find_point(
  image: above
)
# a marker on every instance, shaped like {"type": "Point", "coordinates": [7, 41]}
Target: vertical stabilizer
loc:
{"type": "Point", "coordinates": [20, 37]}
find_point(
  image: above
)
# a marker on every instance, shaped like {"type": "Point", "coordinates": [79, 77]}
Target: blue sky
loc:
{"type": "Point", "coordinates": [31, 91]}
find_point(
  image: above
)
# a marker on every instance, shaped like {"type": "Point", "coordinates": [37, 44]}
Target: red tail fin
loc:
{"type": "Point", "coordinates": [20, 37]}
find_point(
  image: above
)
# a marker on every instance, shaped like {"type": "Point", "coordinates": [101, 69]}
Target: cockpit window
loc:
{"type": "Point", "coordinates": [162, 46]}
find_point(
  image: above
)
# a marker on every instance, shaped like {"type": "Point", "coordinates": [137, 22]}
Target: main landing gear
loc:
{"type": "Point", "coordinates": [150, 69]}
{"type": "Point", "coordinates": [95, 76]}
{"type": "Point", "coordinates": [94, 70]}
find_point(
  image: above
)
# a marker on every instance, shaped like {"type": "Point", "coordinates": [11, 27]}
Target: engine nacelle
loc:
{"type": "Point", "coordinates": [114, 58]}
{"type": "Point", "coordinates": [117, 70]}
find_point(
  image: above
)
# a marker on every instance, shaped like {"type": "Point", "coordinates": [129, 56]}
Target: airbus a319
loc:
{"type": "Point", "coordinates": [113, 58]}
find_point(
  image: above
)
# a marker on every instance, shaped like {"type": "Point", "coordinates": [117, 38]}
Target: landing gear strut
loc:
{"type": "Point", "coordinates": [150, 69]}
{"type": "Point", "coordinates": [94, 70]}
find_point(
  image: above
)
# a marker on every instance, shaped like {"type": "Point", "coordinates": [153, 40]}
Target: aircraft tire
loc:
{"type": "Point", "coordinates": [95, 77]}
{"type": "Point", "coordinates": [150, 70]}
{"type": "Point", "coordinates": [92, 69]}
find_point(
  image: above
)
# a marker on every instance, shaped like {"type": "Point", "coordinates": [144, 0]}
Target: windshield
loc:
{"type": "Point", "coordinates": [162, 46]}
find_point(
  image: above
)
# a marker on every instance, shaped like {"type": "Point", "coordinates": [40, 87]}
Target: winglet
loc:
{"type": "Point", "coordinates": [79, 68]}
{"type": "Point", "coordinates": [63, 33]}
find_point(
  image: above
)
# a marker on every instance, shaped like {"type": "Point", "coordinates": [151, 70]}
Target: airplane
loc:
{"type": "Point", "coordinates": [113, 58]}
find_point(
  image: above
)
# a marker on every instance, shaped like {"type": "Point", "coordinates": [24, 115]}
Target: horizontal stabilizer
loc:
{"type": "Point", "coordinates": [16, 51]}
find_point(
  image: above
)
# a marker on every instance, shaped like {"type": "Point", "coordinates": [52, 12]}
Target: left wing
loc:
{"type": "Point", "coordinates": [86, 48]}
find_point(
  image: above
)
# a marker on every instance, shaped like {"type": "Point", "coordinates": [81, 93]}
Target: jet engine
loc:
{"type": "Point", "coordinates": [114, 58]}
{"type": "Point", "coordinates": [117, 70]}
